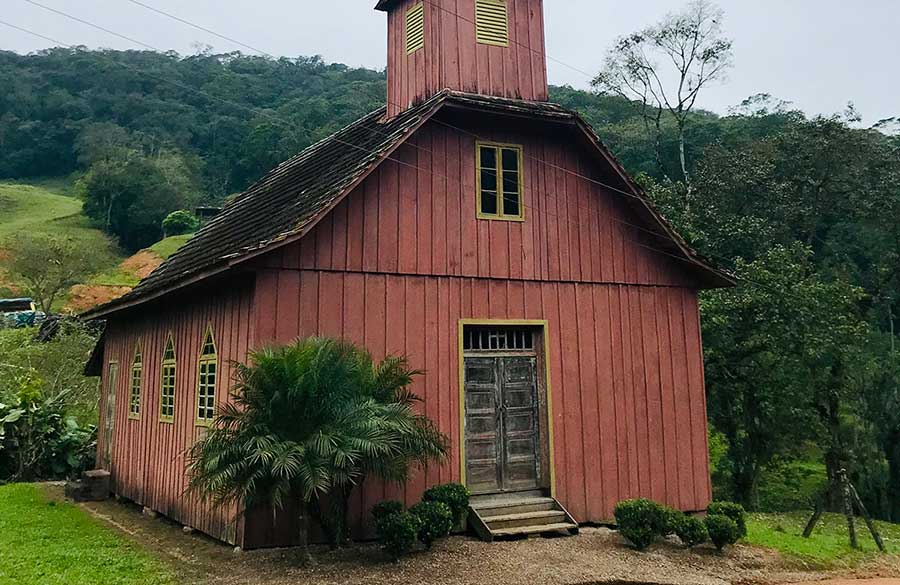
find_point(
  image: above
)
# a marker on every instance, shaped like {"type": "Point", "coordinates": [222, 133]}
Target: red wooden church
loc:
{"type": "Point", "coordinates": [476, 228]}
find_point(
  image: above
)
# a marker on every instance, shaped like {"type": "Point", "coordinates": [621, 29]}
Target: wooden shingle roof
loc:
{"type": "Point", "coordinates": [287, 202]}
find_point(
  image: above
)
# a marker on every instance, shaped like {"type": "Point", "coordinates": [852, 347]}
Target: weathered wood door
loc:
{"type": "Point", "coordinates": [112, 375]}
{"type": "Point", "coordinates": [502, 427]}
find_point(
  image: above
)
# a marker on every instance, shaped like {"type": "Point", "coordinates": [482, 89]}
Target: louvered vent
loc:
{"type": "Point", "coordinates": [492, 22]}
{"type": "Point", "coordinates": [415, 28]}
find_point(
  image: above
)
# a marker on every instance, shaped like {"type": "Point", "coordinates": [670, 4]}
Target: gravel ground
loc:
{"type": "Point", "coordinates": [595, 556]}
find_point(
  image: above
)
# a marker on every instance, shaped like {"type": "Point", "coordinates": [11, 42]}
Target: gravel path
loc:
{"type": "Point", "coordinates": [596, 556]}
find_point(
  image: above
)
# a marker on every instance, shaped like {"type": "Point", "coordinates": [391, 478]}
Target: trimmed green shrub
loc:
{"type": "Point", "coordinates": [722, 530]}
{"type": "Point", "coordinates": [398, 533]}
{"type": "Point", "coordinates": [691, 530]}
{"type": "Point", "coordinates": [436, 519]}
{"type": "Point", "coordinates": [180, 222]}
{"type": "Point", "coordinates": [455, 496]}
{"type": "Point", "coordinates": [734, 511]}
{"type": "Point", "coordinates": [641, 521]}
{"type": "Point", "coordinates": [382, 510]}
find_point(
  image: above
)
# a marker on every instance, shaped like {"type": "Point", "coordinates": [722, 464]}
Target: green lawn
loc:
{"type": "Point", "coordinates": [829, 545]}
{"type": "Point", "coordinates": [58, 543]}
{"type": "Point", "coordinates": [170, 245]}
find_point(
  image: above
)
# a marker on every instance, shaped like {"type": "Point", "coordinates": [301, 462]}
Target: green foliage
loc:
{"type": "Point", "coordinates": [436, 521]}
{"type": "Point", "coordinates": [398, 533]}
{"type": "Point", "coordinates": [454, 495]}
{"type": "Point", "coordinates": [734, 511]}
{"type": "Point", "coordinates": [49, 265]}
{"type": "Point", "coordinates": [58, 542]}
{"type": "Point", "coordinates": [690, 530]}
{"type": "Point", "coordinates": [786, 486]}
{"type": "Point", "coordinates": [54, 368]}
{"type": "Point", "coordinates": [37, 440]}
{"type": "Point", "coordinates": [179, 223]}
{"type": "Point", "coordinates": [311, 420]}
{"type": "Point", "coordinates": [169, 246]}
{"type": "Point", "coordinates": [642, 521]}
{"type": "Point", "coordinates": [383, 509]}
{"type": "Point", "coordinates": [129, 194]}
{"type": "Point", "coordinates": [722, 530]}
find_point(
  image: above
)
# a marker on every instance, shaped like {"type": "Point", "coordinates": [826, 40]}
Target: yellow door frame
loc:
{"type": "Point", "coordinates": [545, 334]}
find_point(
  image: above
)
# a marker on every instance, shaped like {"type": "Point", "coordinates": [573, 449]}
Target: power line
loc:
{"type": "Point", "coordinates": [257, 112]}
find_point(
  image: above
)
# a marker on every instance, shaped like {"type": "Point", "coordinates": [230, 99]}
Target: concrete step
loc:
{"type": "Point", "coordinates": [505, 507]}
{"type": "Point", "coordinates": [568, 526]}
{"type": "Point", "coordinates": [525, 519]}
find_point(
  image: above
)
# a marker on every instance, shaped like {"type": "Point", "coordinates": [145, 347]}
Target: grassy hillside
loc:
{"type": "Point", "coordinates": [45, 207]}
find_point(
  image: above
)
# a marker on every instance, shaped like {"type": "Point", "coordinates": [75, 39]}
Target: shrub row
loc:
{"type": "Point", "coordinates": [643, 521]}
{"type": "Point", "coordinates": [433, 518]}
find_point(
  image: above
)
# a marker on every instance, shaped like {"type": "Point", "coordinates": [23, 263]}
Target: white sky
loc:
{"type": "Point", "coordinates": [817, 54]}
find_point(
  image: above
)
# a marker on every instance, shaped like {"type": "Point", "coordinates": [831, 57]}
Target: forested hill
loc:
{"type": "Point", "coordinates": [233, 116]}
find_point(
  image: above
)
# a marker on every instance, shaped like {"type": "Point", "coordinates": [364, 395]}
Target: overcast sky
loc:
{"type": "Point", "coordinates": [817, 54]}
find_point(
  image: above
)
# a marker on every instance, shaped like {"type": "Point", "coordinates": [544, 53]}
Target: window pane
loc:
{"type": "Point", "coordinates": [488, 180]}
{"type": "Point", "coordinates": [510, 159]}
{"type": "Point", "coordinates": [489, 202]}
{"type": "Point", "coordinates": [488, 157]}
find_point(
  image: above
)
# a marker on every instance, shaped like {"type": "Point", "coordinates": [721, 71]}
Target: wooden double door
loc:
{"type": "Point", "coordinates": [502, 427]}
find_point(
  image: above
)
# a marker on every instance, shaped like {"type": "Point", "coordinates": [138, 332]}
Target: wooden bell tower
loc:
{"type": "Point", "coordinates": [488, 47]}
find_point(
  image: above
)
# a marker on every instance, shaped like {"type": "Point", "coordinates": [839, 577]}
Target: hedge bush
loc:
{"type": "Point", "coordinates": [398, 532]}
{"type": "Point", "coordinates": [722, 530]}
{"type": "Point", "coordinates": [453, 495]}
{"type": "Point", "coordinates": [436, 519]}
{"type": "Point", "coordinates": [734, 511]}
{"type": "Point", "coordinates": [691, 530]}
{"type": "Point", "coordinates": [180, 222]}
{"type": "Point", "coordinates": [641, 521]}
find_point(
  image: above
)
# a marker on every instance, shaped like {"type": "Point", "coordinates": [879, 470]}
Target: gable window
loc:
{"type": "Point", "coordinates": [492, 22]}
{"type": "Point", "coordinates": [500, 181]}
{"type": "Point", "coordinates": [167, 383]}
{"type": "Point", "coordinates": [134, 399]}
{"type": "Point", "coordinates": [206, 382]}
{"type": "Point", "coordinates": [415, 28]}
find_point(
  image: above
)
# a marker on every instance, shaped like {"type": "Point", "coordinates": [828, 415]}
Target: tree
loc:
{"type": "Point", "coordinates": [50, 265]}
{"type": "Point", "coordinates": [694, 53]}
{"type": "Point", "coordinates": [180, 222]}
{"type": "Point", "coordinates": [308, 422]}
{"type": "Point", "coordinates": [776, 350]}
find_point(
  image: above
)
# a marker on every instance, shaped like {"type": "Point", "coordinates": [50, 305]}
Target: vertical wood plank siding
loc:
{"type": "Point", "coordinates": [603, 452]}
{"type": "Point", "coordinates": [149, 456]}
{"type": "Point", "coordinates": [451, 58]}
{"type": "Point", "coordinates": [403, 258]}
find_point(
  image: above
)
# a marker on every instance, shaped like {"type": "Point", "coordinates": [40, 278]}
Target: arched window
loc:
{"type": "Point", "coordinates": [134, 400]}
{"type": "Point", "coordinates": [167, 383]}
{"type": "Point", "coordinates": [206, 381]}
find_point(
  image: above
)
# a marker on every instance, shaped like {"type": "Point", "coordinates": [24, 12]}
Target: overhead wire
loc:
{"type": "Point", "coordinates": [349, 144]}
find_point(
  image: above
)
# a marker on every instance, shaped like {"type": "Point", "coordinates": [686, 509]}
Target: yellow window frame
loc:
{"type": "Point", "coordinates": [201, 399]}
{"type": "Point", "coordinates": [499, 147]}
{"type": "Point", "coordinates": [135, 384]}
{"type": "Point", "coordinates": [415, 28]}
{"type": "Point", "coordinates": [168, 380]}
{"type": "Point", "coordinates": [492, 22]}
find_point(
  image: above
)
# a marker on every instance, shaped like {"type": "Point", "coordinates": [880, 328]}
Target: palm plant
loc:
{"type": "Point", "coordinates": [308, 422]}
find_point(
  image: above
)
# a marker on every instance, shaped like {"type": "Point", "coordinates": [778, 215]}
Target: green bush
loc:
{"type": "Point", "coordinates": [398, 533]}
{"type": "Point", "coordinates": [691, 530]}
{"type": "Point", "coordinates": [38, 441]}
{"type": "Point", "coordinates": [180, 222]}
{"type": "Point", "coordinates": [792, 485]}
{"type": "Point", "coordinates": [734, 511]}
{"type": "Point", "coordinates": [722, 530]}
{"type": "Point", "coordinates": [436, 519]}
{"type": "Point", "coordinates": [382, 510]}
{"type": "Point", "coordinates": [641, 521]}
{"type": "Point", "coordinates": [455, 496]}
